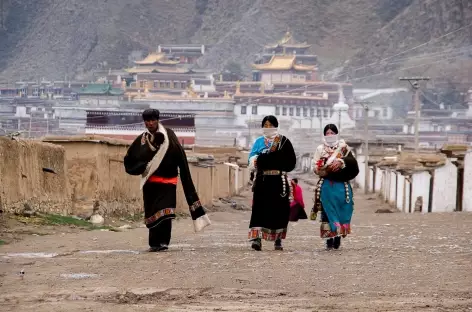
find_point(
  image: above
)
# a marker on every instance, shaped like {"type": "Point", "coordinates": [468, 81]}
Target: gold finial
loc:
{"type": "Point", "coordinates": [286, 38]}
{"type": "Point", "coordinates": [238, 88]}
{"type": "Point", "coordinates": [190, 90]}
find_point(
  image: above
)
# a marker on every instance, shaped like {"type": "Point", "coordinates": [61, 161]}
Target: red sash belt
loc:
{"type": "Point", "coordinates": [157, 179]}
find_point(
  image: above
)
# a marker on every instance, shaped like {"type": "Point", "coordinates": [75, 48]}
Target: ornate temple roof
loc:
{"type": "Point", "coordinates": [156, 58]}
{"type": "Point", "coordinates": [100, 89]}
{"type": "Point", "coordinates": [288, 42]}
{"type": "Point", "coordinates": [157, 69]}
{"type": "Point", "coordinates": [283, 62]}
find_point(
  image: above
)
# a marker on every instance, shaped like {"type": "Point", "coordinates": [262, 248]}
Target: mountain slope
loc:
{"type": "Point", "coordinates": [55, 38]}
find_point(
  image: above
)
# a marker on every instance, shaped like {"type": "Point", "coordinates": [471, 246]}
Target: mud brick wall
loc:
{"type": "Point", "coordinates": [33, 172]}
{"type": "Point", "coordinates": [96, 173]}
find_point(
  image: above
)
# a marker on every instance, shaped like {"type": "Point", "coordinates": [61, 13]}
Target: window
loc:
{"type": "Point", "coordinates": [290, 111]}
{"type": "Point", "coordinates": [155, 84]}
{"type": "Point", "coordinates": [305, 112]}
{"type": "Point", "coordinates": [254, 110]}
{"type": "Point", "coordinates": [243, 110]}
{"type": "Point", "coordinates": [318, 112]}
{"type": "Point", "coordinates": [325, 113]}
{"type": "Point", "coordinates": [376, 113]}
{"type": "Point", "coordinates": [277, 110]}
{"type": "Point", "coordinates": [312, 112]}
{"type": "Point", "coordinates": [284, 111]}
{"type": "Point", "coordinates": [298, 111]}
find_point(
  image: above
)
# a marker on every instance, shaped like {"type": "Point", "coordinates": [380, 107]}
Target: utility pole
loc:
{"type": "Point", "coordinates": [321, 112]}
{"type": "Point", "coordinates": [415, 84]}
{"type": "Point", "coordinates": [339, 120]}
{"type": "Point", "coordinates": [365, 106]}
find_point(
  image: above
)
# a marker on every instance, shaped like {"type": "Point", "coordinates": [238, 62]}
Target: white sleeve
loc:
{"type": "Point", "coordinates": [252, 163]}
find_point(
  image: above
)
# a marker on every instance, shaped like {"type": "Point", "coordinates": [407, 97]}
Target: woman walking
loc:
{"type": "Point", "coordinates": [335, 164]}
{"type": "Point", "coordinates": [271, 157]}
{"type": "Point", "coordinates": [297, 206]}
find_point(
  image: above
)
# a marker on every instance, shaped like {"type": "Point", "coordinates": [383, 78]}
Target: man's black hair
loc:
{"type": "Point", "coordinates": [151, 114]}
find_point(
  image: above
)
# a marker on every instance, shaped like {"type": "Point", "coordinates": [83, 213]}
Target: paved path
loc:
{"type": "Point", "coordinates": [392, 262]}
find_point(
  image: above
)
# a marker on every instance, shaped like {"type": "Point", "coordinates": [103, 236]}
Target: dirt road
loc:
{"type": "Point", "coordinates": [391, 262]}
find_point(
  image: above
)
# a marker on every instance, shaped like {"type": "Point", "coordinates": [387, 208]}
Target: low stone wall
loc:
{"type": "Point", "coordinates": [96, 173]}
{"type": "Point", "coordinates": [33, 173]}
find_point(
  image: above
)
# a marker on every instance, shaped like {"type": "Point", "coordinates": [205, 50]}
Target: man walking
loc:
{"type": "Point", "coordinates": [159, 158]}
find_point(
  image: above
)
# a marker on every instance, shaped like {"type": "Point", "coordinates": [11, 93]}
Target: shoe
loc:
{"type": "Point", "coordinates": [337, 242]}
{"type": "Point", "coordinates": [163, 247]}
{"type": "Point", "coordinates": [256, 244]}
{"type": "Point", "coordinates": [329, 243]}
{"type": "Point", "coordinates": [278, 245]}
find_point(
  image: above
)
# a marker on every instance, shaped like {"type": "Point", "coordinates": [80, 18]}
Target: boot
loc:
{"type": "Point", "coordinates": [337, 242]}
{"type": "Point", "coordinates": [278, 244]}
{"type": "Point", "coordinates": [257, 244]}
{"type": "Point", "coordinates": [329, 243]}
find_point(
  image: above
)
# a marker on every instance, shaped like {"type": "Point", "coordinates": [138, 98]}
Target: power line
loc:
{"type": "Point", "coordinates": [409, 50]}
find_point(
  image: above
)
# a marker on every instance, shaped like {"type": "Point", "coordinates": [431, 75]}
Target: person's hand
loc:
{"type": "Point", "coordinates": [158, 138]}
{"type": "Point", "coordinates": [336, 165]}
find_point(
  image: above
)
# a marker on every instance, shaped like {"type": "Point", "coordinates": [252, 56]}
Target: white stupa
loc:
{"type": "Point", "coordinates": [340, 116]}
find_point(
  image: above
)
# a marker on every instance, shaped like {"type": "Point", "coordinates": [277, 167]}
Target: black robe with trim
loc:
{"type": "Point", "coordinates": [346, 174]}
{"type": "Point", "coordinates": [160, 199]}
{"type": "Point", "coordinates": [271, 205]}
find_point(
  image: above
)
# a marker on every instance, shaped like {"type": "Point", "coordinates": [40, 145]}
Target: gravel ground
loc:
{"type": "Point", "coordinates": [391, 262]}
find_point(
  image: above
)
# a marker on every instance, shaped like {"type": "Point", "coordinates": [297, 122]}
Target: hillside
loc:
{"type": "Point", "coordinates": [67, 38]}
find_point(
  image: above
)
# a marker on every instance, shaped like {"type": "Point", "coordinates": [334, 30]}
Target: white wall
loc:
{"type": "Point", "coordinates": [360, 179]}
{"type": "Point", "coordinates": [400, 192]}
{"type": "Point", "coordinates": [406, 203]}
{"type": "Point", "coordinates": [393, 184]}
{"type": "Point", "coordinates": [467, 191]}
{"type": "Point", "coordinates": [378, 180]}
{"type": "Point", "coordinates": [420, 182]}
{"type": "Point", "coordinates": [385, 184]}
{"type": "Point", "coordinates": [445, 188]}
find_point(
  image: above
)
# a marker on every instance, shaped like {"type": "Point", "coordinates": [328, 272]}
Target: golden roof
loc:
{"type": "Point", "coordinates": [156, 69]}
{"type": "Point", "coordinates": [302, 67]}
{"type": "Point", "coordinates": [283, 62]}
{"type": "Point", "coordinates": [288, 42]}
{"type": "Point", "coordinates": [154, 58]}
